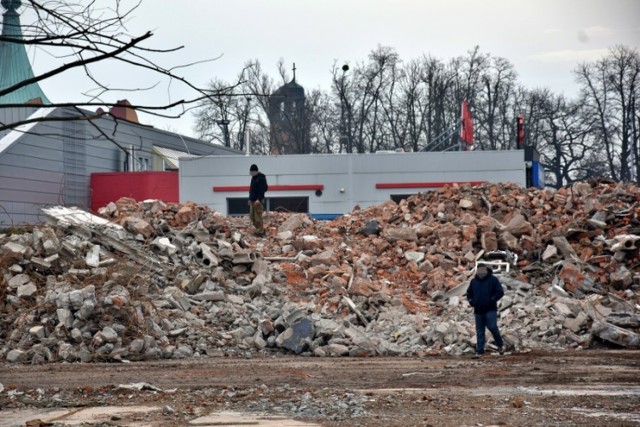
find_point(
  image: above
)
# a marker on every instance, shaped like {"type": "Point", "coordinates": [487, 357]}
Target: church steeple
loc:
{"type": "Point", "coordinates": [14, 62]}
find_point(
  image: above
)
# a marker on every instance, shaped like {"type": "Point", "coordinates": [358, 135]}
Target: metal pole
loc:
{"type": "Point", "coordinates": [634, 136]}
{"type": "Point", "coordinates": [462, 124]}
{"type": "Point", "coordinates": [224, 124]}
{"type": "Point", "coordinates": [246, 128]}
{"type": "Point", "coordinates": [347, 132]}
{"type": "Point", "coordinates": [343, 129]}
{"type": "Point", "coordinates": [246, 135]}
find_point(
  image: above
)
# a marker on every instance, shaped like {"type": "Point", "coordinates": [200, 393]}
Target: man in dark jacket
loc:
{"type": "Point", "coordinates": [483, 294]}
{"type": "Point", "coordinates": [256, 198]}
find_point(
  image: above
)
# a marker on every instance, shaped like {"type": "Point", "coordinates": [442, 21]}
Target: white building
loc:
{"type": "Point", "coordinates": [327, 185]}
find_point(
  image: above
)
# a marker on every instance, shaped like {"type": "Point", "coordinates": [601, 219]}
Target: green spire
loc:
{"type": "Point", "coordinates": [14, 62]}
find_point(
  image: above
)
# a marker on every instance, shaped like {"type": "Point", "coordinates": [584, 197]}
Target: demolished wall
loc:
{"type": "Point", "coordinates": [172, 281]}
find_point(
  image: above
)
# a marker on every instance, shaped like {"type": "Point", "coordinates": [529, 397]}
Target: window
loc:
{"type": "Point", "coordinates": [142, 164]}
{"type": "Point", "coordinates": [400, 197]}
{"type": "Point", "coordinates": [167, 167]}
{"type": "Point", "coordinates": [289, 204]}
{"type": "Point", "coordinates": [240, 205]}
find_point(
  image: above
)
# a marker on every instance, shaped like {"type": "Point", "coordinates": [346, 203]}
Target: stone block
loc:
{"type": "Point", "coordinates": [489, 241]}
{"type": "Point", "coordinates": [19, 280]}
{"type": "Point", "coordinates": [519, 226]}
{"type": "Point", "coordinates": [336, 350]}
{"type": "Point", "coordinates": [16, 356]}
{"type": "Point", "coordinates": [402, 234]}
{"type": "Point", "coordinates": [27, 291]}
{"type": "Point", "coordinates": [576, 324]}
{"type": "Point", "coordinates": [138, 226]}
{"type": "Point", "coordinates": [65, 318]}
{"type": "Point", "coordinates": [15, 249]}
{"type": "Point", "coordinates": [323, 258]}
{"type": "Point", "coordinates": [209, 296]}
{"type": "Point", "coordinates": [565, 248]}
{"type": "Point", "coordinates": [622, 278]}
{"type": "Point", "coordinates": [292, 223]}
{"type": "Point", "coordinates": [235, 299]}
{"type": "Point", "coordinates": [93, 257]}
{"type": "Point", "coordinates": [109, 335]}
{"type": "Point", "coordinates": [38, 331]}
{"type": "Point", "coordinates": [551, 253]}
{"type": "Point", "coordinates": [284, 236]}
{"type": "Point", "coordinates": [465, 204]}
{"type": "Point", "coordinates": [614, 334]}
{"type": "Point", "coordinates": [298, 337]}
{"type": "Point", "coordinates": [414, 256]}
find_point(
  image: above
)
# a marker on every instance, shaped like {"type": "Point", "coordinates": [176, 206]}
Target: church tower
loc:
{"type": "Point", "coordinates": [287, 114]}
{"type": "Point", "coordinates": [14, 62]}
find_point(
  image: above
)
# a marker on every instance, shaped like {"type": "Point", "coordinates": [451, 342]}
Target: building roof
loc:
{"type": "Point", "coordinates": [126, 133]}
{"type": "Point", "coordinates": [171, 156]}
{"type": "Point", "coordinates": [14, 62]}
{"type": "Point", "coordinates": [11, 137]}
{"type": "Point", "coordinates": [290, 90]}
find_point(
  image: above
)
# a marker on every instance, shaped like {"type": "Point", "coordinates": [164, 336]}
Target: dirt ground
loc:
{"type": "Point", "coordinates": [536, 389]}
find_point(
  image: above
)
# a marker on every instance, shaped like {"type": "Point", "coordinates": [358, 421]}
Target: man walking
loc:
{"type": "Point", "coordinates": [483, 294]}
{"type": "Point", "coordinates": [256, 198]}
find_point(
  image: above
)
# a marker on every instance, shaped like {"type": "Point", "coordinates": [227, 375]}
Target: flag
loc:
{"type": "Point", "coordinates": [520, 131]}
{"type": "Point", "coordinates": [466, 133]}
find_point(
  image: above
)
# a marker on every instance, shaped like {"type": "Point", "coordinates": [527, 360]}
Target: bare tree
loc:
{"type": "Point", "coordinates": [361, 97]}
{"type": "Point", "coordinates": [609, 88]}
{"type": "Point", "coordinates": [498, 83]}
{"type": "Point", "coordinates": [385, 103]}
{"type": "Point", "coordinates": [81, 35]}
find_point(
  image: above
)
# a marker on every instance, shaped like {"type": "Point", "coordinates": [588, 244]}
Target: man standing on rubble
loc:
{"type": "Point", "coordinates": [256, 199]}
{"type": "Point", "coordinates": [483, 294]}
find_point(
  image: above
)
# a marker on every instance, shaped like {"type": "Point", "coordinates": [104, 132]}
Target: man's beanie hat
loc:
{"type": "Point", "coordinates": [253, 168]}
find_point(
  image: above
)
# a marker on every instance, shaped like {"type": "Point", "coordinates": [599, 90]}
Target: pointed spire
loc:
{"type": "Point", "coordinates": [14, 62]}
{"type": "Point", "coordinates": [294, 72]}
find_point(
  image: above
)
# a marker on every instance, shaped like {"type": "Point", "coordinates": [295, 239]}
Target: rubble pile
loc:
{"type": "Point", "coordinates": [152, 280]}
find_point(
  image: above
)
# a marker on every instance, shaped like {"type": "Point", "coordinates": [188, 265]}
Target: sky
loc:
{"type": "Point", "coordinates": [544, 39]}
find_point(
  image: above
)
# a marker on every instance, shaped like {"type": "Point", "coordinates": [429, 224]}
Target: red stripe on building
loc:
{"type": "Point", "coordinates": [389, 185]}
{"type": "Point", "coordinates": [224, 189]}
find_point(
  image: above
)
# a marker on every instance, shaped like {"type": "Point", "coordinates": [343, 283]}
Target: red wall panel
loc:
{"type": "Point", "coordinates": [110, 186]}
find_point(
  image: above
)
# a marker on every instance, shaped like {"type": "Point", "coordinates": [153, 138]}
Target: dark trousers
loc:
{"type": "Point", "coordinates": [489, 321]}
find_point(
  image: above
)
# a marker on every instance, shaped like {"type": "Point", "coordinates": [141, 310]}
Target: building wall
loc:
{"type": "Point", "coordinates": [13, 115]}
{"type": "Point", "coordinates": [52, 163]}
{"type": "Point", "coordinates": [348, 179]}
{"type": "Point", "coordinates": [111, 186]}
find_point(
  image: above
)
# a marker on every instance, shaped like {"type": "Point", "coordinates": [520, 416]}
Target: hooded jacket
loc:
{"type": "Point", "coordinates": [258, 187]}
{"type": "Point", "coordinates": [484, 294]}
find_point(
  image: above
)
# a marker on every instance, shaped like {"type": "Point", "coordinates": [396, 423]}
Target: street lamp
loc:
{"type": "Point", "coordinates": [224, 125]}
{"type": "Point", "coordinates": [245, 131]}
{"type": "Point", "coordinates": [345, 133]}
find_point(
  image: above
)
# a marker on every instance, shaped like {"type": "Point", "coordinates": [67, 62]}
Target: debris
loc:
{"type": "Point", "coordinates": [616, 335]}
{"type": "Point", "coordinates": [298, 337]}
{"type": "Point", "coordinates": [386, 280]}
{"type": "Point", "coordinates": [139, 387]}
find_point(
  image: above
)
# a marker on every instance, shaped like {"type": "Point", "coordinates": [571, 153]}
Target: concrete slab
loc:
{"type": "Point", "coordinates": [18, 417]}
{"type": "Point", "coordinates": [104, 413]}
{"type": "Point", "coordinates": [229, 419]}
{"type": "Point", "coordinates": [74, 416]}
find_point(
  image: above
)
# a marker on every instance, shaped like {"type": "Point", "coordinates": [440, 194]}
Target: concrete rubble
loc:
{"type": "Point", "coordinates": [151, 280]}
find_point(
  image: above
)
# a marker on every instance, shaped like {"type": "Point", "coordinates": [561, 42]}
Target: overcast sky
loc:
{"type": "Point", "coordinates": [544, 39]}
